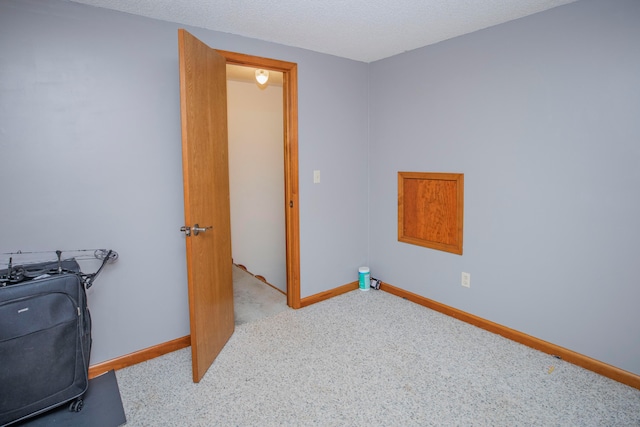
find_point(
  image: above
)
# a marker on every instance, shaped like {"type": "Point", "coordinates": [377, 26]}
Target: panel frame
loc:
{"type": "Point", "coordinates": [452, 225]}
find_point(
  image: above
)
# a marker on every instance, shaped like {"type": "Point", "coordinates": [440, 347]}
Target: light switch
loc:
{"type": "Point", "coordinates": [316, 177]}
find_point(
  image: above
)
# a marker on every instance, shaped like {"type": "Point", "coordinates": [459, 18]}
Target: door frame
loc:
{"type": "Point", "coordinates": [289, 71]}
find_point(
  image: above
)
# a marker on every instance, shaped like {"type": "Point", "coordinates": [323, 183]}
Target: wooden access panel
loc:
{"type": "Point", "coordinates": [431, 210]}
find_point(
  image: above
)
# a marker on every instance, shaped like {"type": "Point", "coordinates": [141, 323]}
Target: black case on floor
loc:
{"type": "Point", "coordinates": [45, 342]}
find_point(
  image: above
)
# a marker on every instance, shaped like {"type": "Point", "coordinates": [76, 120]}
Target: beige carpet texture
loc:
{"type": "Point", "coordinates": [372, 359]}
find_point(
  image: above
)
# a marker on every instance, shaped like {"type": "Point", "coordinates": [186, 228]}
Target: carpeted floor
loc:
{"type": "Point", "coordinates": [254, 300]}
{"type": "Point", "coordinates": [372, 359]}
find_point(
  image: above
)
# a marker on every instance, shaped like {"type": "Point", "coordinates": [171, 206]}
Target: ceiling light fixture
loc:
{"type": "Point", "coordinates": [262, 76]}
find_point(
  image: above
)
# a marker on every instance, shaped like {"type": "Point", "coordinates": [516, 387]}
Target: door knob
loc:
{"type": "Point", "coordinates": [197, 229]}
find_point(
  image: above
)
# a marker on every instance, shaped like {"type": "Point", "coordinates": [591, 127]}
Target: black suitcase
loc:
{"type": "Point", "coordinates": [45, 341]}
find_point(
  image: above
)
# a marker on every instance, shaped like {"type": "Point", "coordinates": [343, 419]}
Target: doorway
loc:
{"type": "Point", "coordinates": [290, 142]}
{"type": "Point", "coordinates": [256, 176]}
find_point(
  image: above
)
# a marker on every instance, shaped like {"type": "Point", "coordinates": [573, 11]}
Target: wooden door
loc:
{"type": "Point", "coordinates": [205, 163]}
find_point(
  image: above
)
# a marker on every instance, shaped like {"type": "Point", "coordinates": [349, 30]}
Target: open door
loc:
{"type": "Point", "coordinates": [205, 163]}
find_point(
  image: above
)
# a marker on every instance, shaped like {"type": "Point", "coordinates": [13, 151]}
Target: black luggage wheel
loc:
{"type": "Point", "coordinates": [76, 405]}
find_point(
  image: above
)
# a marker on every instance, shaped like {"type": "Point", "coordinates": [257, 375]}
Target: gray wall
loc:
{"type": "Point", "coordinates": [90, 156]}
{"type": "Point", "coordinates": [542, 115]}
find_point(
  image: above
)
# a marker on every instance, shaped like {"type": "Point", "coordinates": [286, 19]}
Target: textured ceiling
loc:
{"type": "Point", "coordinates": [363, 30]}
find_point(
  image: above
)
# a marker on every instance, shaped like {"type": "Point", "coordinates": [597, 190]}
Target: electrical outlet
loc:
{"type": "Point", "coordinates": [316, 177]}
{"type": "Point", "coordinates": [466, 280]}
